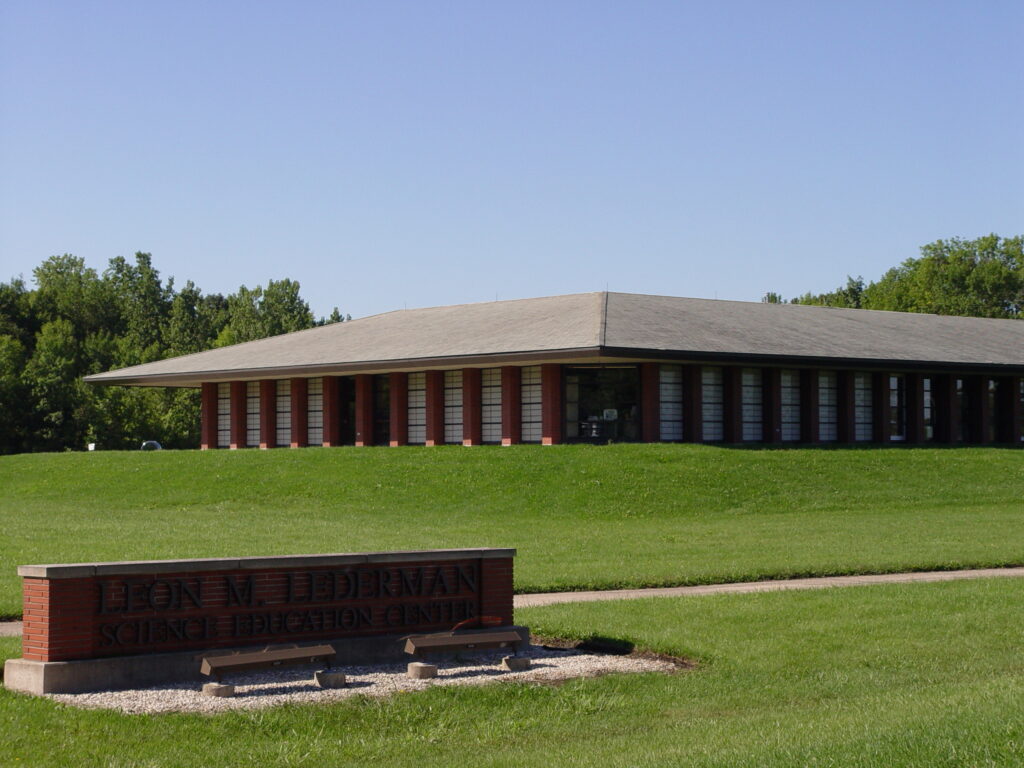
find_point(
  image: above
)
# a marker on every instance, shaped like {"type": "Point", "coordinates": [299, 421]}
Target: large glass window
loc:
{"type": "Point", "coordinates": [530, 394]}
{"type": "Point", "coordinates": [283, 406]}
{"type": "Point", "coordinates": [752, 410]}
{"type": "Point", "coordinates": [453, 407]}
{"type": "Point", "coordinates": [897, 410]}
{"type": "Point", "coordinates": [828, 406]}
{"type": "Point", "coordinates": [963, 405]}
{"type": "Point", "coordinates": [601, 403]}
{"type": "Point", "coordinates": [712, 404]}
{"type": "Point", "coordinates": [223, 415]}
{"type": "Point", "coordinates": [670, 395]}
{"type": "Point", "coordinates": [490, 404]}
{"type": "Point", "coordinates": [928, 408]}
{"type": "Point", "coordinates": [789, 392]}
{"type": "Point", "coordinates": [315, 412]}
{"type": "Point", "coordinates": [417, 404]}
{"type": "Point", "coordinates": [252, 414]}
{"type": "Point", "coordinates": [994, 411]}
{"type": "Point", "coordinates": [863, 408]}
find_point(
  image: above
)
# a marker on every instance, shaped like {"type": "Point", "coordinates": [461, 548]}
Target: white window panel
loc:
{"type": "Point", "coordinates": [670, 397]}
{"type": "Point", "coordinates": [453, 406]}
{"type": "Point", "coordinates": [828, 412]}
{"type": "Point", "coordinates": [315, 412]}
{"type": "Point", "coordinates": [490, 399]}
{"type": "Point", "coordinates": [530, 393]}
{"type": "Point", "coordinates": [789, 394]}
{"type": "Point", "coordinates": [252, 414]}
{"type": "Point", "coordinates": [863, 408]}
{"type": "Point", "coordinates": [417, 408]}
{"type": "Point", "coordinates": [712, 412]}
{"type": "Point", "coordinates": [283, 406]}
{"type": "Point", "coordinates": [223, 415]}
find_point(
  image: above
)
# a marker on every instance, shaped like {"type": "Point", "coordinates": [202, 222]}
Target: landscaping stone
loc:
{"type": "Point", "coordinates": [419, 670]}
{"type": "Point", "coordinates": [219, 690]}
{"type": "Point", "coordinates": [516, 663]}
{"type": "Point", "coordinates": [327, 678]}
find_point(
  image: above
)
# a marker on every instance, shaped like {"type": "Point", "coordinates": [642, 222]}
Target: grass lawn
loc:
{"type": "Point", "coordinates": [580, 516]}
{"type": "Point", "coordinates": [894, 675]}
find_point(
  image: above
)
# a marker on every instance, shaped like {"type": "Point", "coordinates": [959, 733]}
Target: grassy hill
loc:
{"type": "Point", "coordinates": [580, 516]}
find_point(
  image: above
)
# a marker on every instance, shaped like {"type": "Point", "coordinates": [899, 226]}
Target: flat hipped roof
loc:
{"type": "Point", "coordinates": [599, 327]}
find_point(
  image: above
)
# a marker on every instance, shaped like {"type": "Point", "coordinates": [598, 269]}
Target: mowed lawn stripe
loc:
{"type": "Point", "coordinates": [582, 517]}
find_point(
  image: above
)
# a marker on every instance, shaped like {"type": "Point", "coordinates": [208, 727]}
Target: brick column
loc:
{"type": "Point", "coordinates": [846, 412]}
{"type": "Point", "coordinates": [1016, 410]}
{"type": "Point", "coordinates": [511, 406]}
{"type": "Point", "coordinates": [946, 408]}
{"type": "Point", "coordinates": [332, 414]}
{"type": "Point", "coordinates": [732, 404]}
{"type": "Point", "coordinates": [982, 409]}
{"type": "Point", "coordinates": [268, 413]}
{"type": "Point", "coordinates": [771, 387]}
{"type": "Point", "coordinates": [472, 407]}
{"type": "Point", "coordinates": [914, 387]}
{"type": "Point", "coordinates": [650, 402]}
{"type": "Point", "coordinates": [237, 414]}
{"type": "Point", "coordinates": [693, 398]}
{"type": "Point", "coordinates": [208, 416]}
{"type": "Point", "coordinates": [399, 406]}
{"type": "Point", "coordinates": [364, 409]}
{"type": "Point", "coordinates": [300, 416]}
{"type": "Point", "coordinates": [551, 403]}
{"type": "Point", "coordinates": [880, 403]}
{"type": "Point", "coordinates": [496, 589]}
{"type": "Point", "coordinates": [809, 413]}
{"type": "Point", "coordinates": [435, 407]}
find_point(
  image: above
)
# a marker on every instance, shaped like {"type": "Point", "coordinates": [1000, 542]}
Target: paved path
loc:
{"type": "Point", "coordinates": [13, 628]}
{"type": "Point", "coordinates": [523, 601]}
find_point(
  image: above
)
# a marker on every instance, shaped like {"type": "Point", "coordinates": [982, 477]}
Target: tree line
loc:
{"type": "Point", "coordinates": [977, 278]}
{"type": "Point", "coordinates": [76, 322]}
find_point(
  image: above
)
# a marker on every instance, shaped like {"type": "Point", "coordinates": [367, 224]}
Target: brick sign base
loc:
{"type": "Point", "coordinates": [92, 626]}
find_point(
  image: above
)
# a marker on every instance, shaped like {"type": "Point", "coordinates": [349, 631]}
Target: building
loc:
{"type": "Point", "coordinates": [600, 367]}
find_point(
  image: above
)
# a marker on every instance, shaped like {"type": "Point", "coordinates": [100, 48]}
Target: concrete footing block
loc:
{"type": "Point", "coordinates": [219, 690]}
{"type": "Point", "coordinates": [327, 678]}
{"type": "Point", "coordinates": [419, 670]}
{"type": "Point", "coordinates": [516, 663]}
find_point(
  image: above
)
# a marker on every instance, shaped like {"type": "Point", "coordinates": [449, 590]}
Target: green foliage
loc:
{"type": "Point", "coordinates": [76, 322]}
{"type": "Point", "coordinates": [976, 278]}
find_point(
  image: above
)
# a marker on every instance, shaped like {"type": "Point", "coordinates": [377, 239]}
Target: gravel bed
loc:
{"type": "Point", "coordinates": [295, 685]}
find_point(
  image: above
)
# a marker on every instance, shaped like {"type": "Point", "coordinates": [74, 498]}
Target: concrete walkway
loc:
{"type": "Point", "coordinates": [13, 628]}
{"type": "Point", "coordinates": [523, 601]}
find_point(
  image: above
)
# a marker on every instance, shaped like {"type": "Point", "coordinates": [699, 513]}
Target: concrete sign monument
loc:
{"type": "Point", "coordinates": [94, 626]}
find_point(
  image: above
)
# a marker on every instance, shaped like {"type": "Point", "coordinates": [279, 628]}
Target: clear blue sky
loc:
{"type": "Point", "coordinates": [391, 154]}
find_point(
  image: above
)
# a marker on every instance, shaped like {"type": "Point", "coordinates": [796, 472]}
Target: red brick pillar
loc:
{"type": "Point", "coordinates": [332, 414]}
{"type": "Point", "coordinates": [364, 409]}
{"type": "Point", "coordinates": [913, 384]}
{"type": "Point", "coordinates": [399, 404]}
{"type": "Point", "coordinates": [946, 408]}
{"type": "Point", "coordinates": [551, 403]}
{"type": "Point", "coordinates": [472, 408]}
{"type": "Point", "coordinates": [300, 403]}
{"type": "Point", "coordinates": [435, 407]}
{"type": "Point", "coordinates": [693, 398]}
{"type": "Point", "coordinates": [208, 416]}
{"type": "Point", "coordinates": [650, 402]}
{"type": "Point", "coordinates": [809, 415]}
{"type": "Point", "coordinates": [732, 403]}
{"type": "Point", "coordinates": [880, 403]}
{"type": "Point", "coordinates": [237, 414]}
{"type": "Point", "coordinates": [982, 409]}
{"type": "Point", "coordinates": [496, 588]}
{"type": "Point", "coordinates": [511, 406]}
